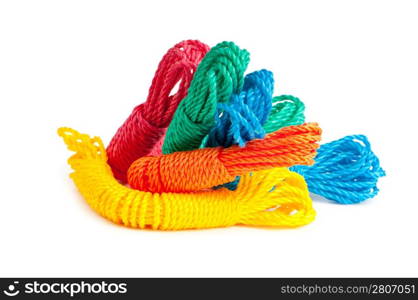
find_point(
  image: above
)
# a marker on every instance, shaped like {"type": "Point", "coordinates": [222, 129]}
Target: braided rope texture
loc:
{"type": "Point", "coordinates": [141, 134]}
{"type": "Point", "coordinates": [275, 198]}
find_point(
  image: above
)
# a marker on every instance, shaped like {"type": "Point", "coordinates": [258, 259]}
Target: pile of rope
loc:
{"type": "Point", "coordinates": [220, 151]}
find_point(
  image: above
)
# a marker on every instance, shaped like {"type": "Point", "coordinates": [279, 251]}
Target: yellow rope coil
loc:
{"type": "Point", "coordinates": [274, 198]}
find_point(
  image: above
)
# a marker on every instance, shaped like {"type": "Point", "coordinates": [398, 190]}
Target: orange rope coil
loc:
{"type": "Point", "coordinates": [199, 169]}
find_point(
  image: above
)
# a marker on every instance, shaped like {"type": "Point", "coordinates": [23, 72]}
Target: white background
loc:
{"type": "Point", "coordinates": [86, 64]}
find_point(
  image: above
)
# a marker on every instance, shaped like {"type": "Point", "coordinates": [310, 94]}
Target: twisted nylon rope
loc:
{"type": "Point", "coordinates": [218, 76]}
{"type": "Point", "coordinates": [141, 134]}
{"type": "Point", "coordinates": [253, 112]}
{"type": "Point", "coordinates": [199, 169]}
{"type": "Point", "coordinates": [345, 171]}
{"type": "Point", "coordinates": [240, 120]}
{"type": "Point", "coordinates": [250, 115]}
{"type": "Point", "coordinates": [274, 198]}
{"type": "Point", "coordinates": [287, 110]}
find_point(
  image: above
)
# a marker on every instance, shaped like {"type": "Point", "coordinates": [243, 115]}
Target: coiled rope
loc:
{"type": "Point", "coordinates": [218, 76]}
{"type": "Point", "coordinates": [144, 129]}
{"type": "Point", "coordinates": [240, 120]}
{"type": "Point", "coordinates": [252, 135]}
{"type": "Point", "coordinates": [345, 170]}
{"type": "Point", "coordinates": [199, 169]}
{"type": "Point", "coordinates": [273, 198]}
{"type": "Point", "coordinates": [287, 110]}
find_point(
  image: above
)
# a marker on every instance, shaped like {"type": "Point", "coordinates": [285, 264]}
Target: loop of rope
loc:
{"type": "Point", "coordinates": [199, 169]}
{"type": "Point", "coordinates": [345, 170]}
{"type": "Point", "coordinates": [142, 132]}
{"type": "Point", "coordinates": [287, 110]}
{"type": "Point", "coordinates": [252, 113]}
{"type": "Point", "coordinates": [218, 76]}
{"type": "Point", "coordinates": [242, 118]}
{"type": "Point", "coordinates": [274, 198]}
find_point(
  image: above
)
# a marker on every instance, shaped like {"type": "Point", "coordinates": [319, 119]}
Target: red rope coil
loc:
{"type": "Point", "coordinates": [141, 134]}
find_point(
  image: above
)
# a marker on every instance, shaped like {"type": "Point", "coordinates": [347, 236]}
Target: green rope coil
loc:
{"type": "Point", "coordinates": [218, 76]}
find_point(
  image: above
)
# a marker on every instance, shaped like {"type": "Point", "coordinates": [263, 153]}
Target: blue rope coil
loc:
{"type": "Point", "coordinates": [242, 118]}
{"type": "Point", "coordinates": [345, 171]}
